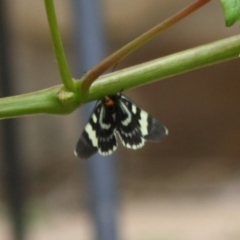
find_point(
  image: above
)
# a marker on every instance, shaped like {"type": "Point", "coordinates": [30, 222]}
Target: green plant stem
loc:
{"type": "Point", "coordinates": [48, 101]}
{"type": "Point", "coordinates": [58, 46]}
{"type": "Point", "coordinates": [41, 102]}
{"type": "Point", "coordinates": [166, 67]}
{"type": "Point", "coordinates": [117, 56]}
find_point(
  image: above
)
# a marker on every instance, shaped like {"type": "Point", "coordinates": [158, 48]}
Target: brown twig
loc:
{"type": "Point", "coordinates": [114, 58]}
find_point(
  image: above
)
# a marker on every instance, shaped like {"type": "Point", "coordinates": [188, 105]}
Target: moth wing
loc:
{"type": "Point", "coordinates": [140, 124]}
{"type": "Point", "coordinates": [156, 130]}
{"type": "Point", "coordinates": [85, 148]}
{"type": "Point", "coordinates": [128, 125]}
{"type": "Point", "coordinates": [106, 132]}
{"type": "Point", "coordinates": [98, 134]}
{"type": "Point", "coordinates": [87, 144]}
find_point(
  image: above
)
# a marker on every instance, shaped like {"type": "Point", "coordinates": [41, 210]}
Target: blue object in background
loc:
{"type": "Point", "coordinates": [101, 171]}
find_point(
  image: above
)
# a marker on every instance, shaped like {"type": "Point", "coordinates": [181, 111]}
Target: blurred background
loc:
{"type": "Point", "coordinates": [186, 187]}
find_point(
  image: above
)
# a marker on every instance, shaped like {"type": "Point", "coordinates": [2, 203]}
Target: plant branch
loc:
{"type": "Point", "coordinates": [54, 101]}
{"type": "Point", "coordinates": [165, 67]}
{"type": "Point", "coordinates": [113, 59]}
{"type": "Point", "coordinates": [58, 46]}
{"type": "Point", "coordinates": [41, 102]}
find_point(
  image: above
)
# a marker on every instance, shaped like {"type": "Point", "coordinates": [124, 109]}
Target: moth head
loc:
{"type": "Point", "coordinates": [110, 103]}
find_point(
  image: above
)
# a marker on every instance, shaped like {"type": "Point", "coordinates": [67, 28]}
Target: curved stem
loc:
{"type": "Point", "coordinates": [113, 59]}
{"type": "Point", "coordinates": [58, 46]}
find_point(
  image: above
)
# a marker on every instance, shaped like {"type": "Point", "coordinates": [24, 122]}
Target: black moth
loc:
{"type": "Point", "coordinates": [117, 114]}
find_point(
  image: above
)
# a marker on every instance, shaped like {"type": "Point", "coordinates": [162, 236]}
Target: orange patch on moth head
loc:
{"type": "Point", "coordinates": [109, 102]}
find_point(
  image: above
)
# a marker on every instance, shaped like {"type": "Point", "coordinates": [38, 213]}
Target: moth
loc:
{"type": "Point", "coordinates": [117, 115]}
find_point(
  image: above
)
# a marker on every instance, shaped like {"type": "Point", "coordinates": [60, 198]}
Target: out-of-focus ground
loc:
{"type": "Point", "coordinates": [208, 213]}
{"type": "Point", "coordinates": [188, 186]}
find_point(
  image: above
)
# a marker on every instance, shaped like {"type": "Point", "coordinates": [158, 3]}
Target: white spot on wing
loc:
{"type": "Point", "coordinates": [92, 135]}
{"type": "Point", "coordinates": [107, 139]}
{"type": "Point", "coordinates": [144, 123]}
{"type": "Point", "coordinates": [102, 124]}
{"type": "Point", "coordinates": [94, 118]}
{"type": "Point", "coordinates": [109, 152]}
{"type": "Point", "coordinates": [126, 121]}
{"type": "Point", "coordinates": [134, 109]}
{"type": "Point", "coordinates": [134, 146]}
